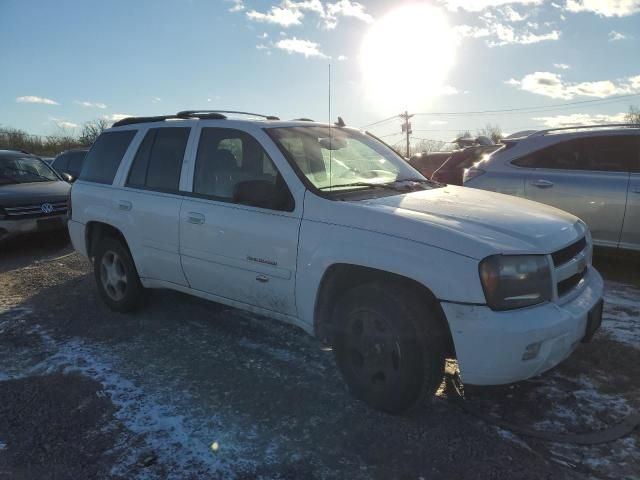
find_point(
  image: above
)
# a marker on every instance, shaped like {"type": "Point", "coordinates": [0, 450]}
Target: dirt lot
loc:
{"type": "Point", "coordinates": [189, 389]}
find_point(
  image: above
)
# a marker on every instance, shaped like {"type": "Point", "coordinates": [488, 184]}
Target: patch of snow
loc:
{"type": "Point", "coordinates": [181, 439]}
{"type": "Point", "coordinates": [578, 406]}
{"type": "Point", "coordinates": [510, 437]}
{"type": "Point", "coordinates": [621, 316]}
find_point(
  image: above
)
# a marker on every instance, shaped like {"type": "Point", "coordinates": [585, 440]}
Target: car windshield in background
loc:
{"type": "Point", "coordinates": [336, 159]}
{"type": "Point", "coordinates": [24, 170]}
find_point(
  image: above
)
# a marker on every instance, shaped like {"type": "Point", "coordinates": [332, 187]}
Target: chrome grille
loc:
{"type": "Point", "coordinates": [570, 266]}
{"type": "Point", "coordinates": [37, 210]}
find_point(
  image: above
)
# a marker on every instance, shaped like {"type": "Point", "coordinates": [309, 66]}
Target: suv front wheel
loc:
{"type": "Point", "coordinates": [388, 346]}
{"type": "Point", "coordinates": [116, 276]}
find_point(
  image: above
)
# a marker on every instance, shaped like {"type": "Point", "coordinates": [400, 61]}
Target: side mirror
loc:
{"type": "Point", "coordinates": [68, 178]}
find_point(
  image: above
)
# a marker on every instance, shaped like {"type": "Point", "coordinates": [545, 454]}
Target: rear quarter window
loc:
{"type": "Point", "coordinates": [103, 160]}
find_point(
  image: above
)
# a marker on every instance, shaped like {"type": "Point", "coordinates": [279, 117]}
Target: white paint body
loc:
{"type": "Point", "coordinates": [273, 262]}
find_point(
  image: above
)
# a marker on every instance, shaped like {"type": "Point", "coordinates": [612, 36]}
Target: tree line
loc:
{"type": "Point", "coordinates": [51, 145]}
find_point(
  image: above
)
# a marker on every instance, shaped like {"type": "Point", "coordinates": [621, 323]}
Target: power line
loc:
{"type": "Point", "coordinates": [512, 111]}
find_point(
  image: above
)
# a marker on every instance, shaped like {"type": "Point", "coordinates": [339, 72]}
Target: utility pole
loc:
{"type": "Point", "coordinates": [406, 127]}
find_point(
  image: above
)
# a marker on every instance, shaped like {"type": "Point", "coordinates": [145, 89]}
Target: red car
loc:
{"type": "Point", "coordinates": [452, 169]}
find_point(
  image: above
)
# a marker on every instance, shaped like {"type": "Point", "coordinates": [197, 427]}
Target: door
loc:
{"type": "Point", "coordinates": [587, 177]}
{"type": "Point", "coordinates": [630, 238]}
{"type": "Point", "coordinates": [239, 227]}
{"type": "Point", "coordinates": [147, 207]}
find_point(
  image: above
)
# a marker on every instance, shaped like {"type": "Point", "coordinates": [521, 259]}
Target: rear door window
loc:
{"type": "Point", "coordinates": [158, 162]}
{"type": "Point", "coordinates": [61, 163]}
{"type": "Point", "coordinates": [612, 153]}
{"type": "Point", "coordinates": [75, 163]}
{"type": "Point", "coordinates": [104, 158]}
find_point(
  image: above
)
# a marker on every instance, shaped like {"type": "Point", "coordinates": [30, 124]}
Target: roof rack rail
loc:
{"type": "Point", "coordinates": [539, 133]}
{"type": "Point", "coordinates": [134, 120]}
{"type": "Point", "coordinates": [200, 113]}
{"type": "Point", "coordinates": [302, 119]}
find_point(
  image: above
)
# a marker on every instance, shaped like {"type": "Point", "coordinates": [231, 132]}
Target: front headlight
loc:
{"type": "Point", "coordinates": [515, 281]}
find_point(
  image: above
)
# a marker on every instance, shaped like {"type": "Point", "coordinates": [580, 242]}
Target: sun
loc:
{"type": "Point", "coordinates": [406, 57]}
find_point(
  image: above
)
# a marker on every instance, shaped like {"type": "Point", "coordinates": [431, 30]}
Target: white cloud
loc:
{"type": "Point", "coordinates": [156, 99]}
{"type": "Point", "coordinates": [262, 46]}
{"type": "Point", "coordinates": [280, 16]}
{"type": "Point", "coordinates": [342, 58]}
{"type": "Point", "coordinates": [615, 36]}
{"type": "Point", "coordinates": [303, 47]}
{"type": "Point", "coordinates": [438, 122]}
{"type": "Point", "coordinates": [605, 8]}
{"type": "Point", "coordinates": [91, 104]}
{"type": "Point", "coordinates": [576, 119]}
{"type": "Point", "coordinates": [448, 90]}
{"type": "Point", "coordinates": [347, 8]}
{"type": "Point", "coordinates": [34, 99]}
{"type": "Point", "coordinates": [114, 117]}
{"type": "Point", "coordinates": [264, 35]}
{"type": "Point", "coordinates": [499, 34]}
{"type": "Point", "coordinates": [479, 5]}
{"type": "Point", "coordinates": [562, 66]}
{"type": "Point", "coordinates": [289, 12]}
{"type": "Point", "coordinates": [552, 85]}
{"type": "Point", "coordinates": [507, 35]}
{"type": "Point", "coordinates": [238, 6]}
{"type": "Point", "coordinates": [512, 15]}
{"type": "Point", "coordinates": [64, 124]}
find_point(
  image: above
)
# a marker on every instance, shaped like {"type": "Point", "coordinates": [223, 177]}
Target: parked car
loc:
{"type": "Point", "coordinates": [328, 229]}
{"type": "Point", "coordinates": [592, 172]}
{"type": "Point", "coordinates": [33, 197]}
{"type": "Point", "coordinates": [428, 162]}
{"type": "Point", "coordinates": [70, 162]}
{"type": "Point", "coordinates": [452, 170]}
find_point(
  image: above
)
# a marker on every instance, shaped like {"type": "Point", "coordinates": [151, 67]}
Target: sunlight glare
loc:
{"type": "Point", "coordinates": [406, 56]}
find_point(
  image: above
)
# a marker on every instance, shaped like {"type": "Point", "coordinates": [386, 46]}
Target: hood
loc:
{"type": "Point", "coordinates": [33, 193]}
{"type": "Point", "coordinates": [468, 221]}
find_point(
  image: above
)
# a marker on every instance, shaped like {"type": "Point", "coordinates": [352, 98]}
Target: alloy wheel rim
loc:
{"type": "Point", "coordinates": [113, 275]}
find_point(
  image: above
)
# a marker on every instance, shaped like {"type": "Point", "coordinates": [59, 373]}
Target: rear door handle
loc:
{"type": "Point", "coordinates": [195, 218]}
{"type": "Point", "coordinates": [124, 205]}
{"type": "Point", "coordinates": [542, 183]}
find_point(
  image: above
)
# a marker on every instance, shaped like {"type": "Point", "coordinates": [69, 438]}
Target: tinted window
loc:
{"type": "Point", "coordinates": [232, 166]}
{"type": "Point", "coordinates": [103, 160]}
{"type": "Point", "coordinates": [61, 163]}
{"type": "Point", "coordinates": [609, 153]}
{"type": "Point", "coordinates": [158, 163]}
{"type": "Point", "coordinates": [76, 160]}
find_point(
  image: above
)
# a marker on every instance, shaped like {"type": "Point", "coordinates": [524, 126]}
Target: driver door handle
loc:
{"type": "Point", "coordinates": [195, 218]}
{"type": "Point", "coordinates": [125, 205]}
{"type": "Point", "coordinates": [540, 183]}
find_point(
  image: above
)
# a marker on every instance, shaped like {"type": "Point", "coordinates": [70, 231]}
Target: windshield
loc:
{"type": "Point", "coordinates": [339, 159]}
{"type": "Point", "coordinates": [25, 170]}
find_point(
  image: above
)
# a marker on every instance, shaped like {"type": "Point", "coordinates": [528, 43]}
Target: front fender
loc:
{"type": "Point", "coordinates": [448, 275]}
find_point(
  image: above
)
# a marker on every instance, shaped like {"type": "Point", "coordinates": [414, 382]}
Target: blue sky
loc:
{"type": "Point", "coordinates": [71, 61]}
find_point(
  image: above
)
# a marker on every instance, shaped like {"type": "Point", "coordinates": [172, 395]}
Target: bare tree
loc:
{"type": "Point", "coordinates": [91, 130]}
{"type": "Point", "coordinates": [494, 132]}
{"type": "Point", "coordinates": [427, 146]}
{"type": "Point", "coordinates": [633, 116]}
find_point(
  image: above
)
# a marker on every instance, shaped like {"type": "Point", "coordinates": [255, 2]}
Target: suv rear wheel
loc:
{"type": "Point", "coordinates": [116, 276]}
{"type": "Point", "coordinates": [388, 346]}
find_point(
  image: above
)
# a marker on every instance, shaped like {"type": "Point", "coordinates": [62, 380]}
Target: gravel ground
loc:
{"type": "Point", "coordinates": [185, 388]}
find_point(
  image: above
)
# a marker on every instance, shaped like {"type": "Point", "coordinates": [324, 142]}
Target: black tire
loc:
{"type": "Point", "coordinates": [118, 284]}
{"type": "Point", "coordinates": [389, 346]}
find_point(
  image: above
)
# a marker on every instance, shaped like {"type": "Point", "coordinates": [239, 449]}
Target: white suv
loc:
{"type": "Point", "coordinates": [327, 228]}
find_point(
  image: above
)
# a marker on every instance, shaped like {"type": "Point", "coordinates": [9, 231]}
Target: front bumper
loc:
{"type": "Point", "coordinates": [11, 228]}
{"type": "Point", "coordinates": [490, 345]}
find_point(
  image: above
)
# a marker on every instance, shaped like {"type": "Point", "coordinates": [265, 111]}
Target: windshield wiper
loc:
{"type": "Point", "coordinates": [389, 186]}
{"type": "Point", "coordinates": [420, 180]}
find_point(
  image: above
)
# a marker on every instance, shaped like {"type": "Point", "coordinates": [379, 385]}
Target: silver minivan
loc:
{"type": "Point", "coordinates": [592, 172]}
